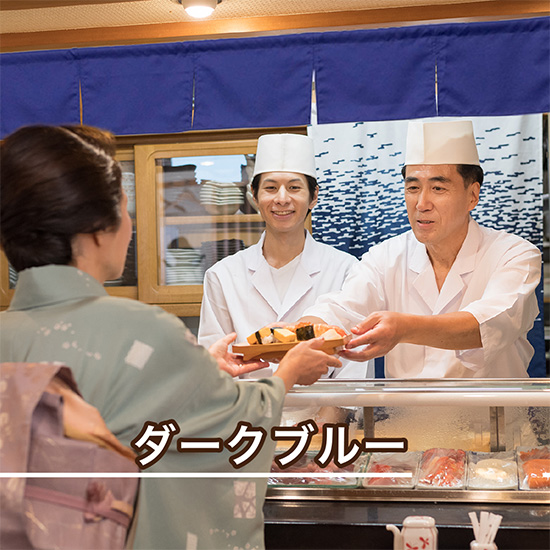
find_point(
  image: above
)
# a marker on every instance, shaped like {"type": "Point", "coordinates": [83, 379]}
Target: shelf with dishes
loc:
{"type": "Point", "coordinates": [195, 207]}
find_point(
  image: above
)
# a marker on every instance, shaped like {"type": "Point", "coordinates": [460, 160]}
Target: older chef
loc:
{"type": "Point", "coordinates": [449, 298]}
{"type": "Point", "coordinates": [277, 278]}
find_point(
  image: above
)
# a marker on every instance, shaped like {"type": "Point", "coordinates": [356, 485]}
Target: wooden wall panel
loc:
{"type": "Point", "coordinates": [256, 26]}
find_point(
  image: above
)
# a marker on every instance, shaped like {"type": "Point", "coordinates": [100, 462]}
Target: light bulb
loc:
{"type": "Point", "coordinates": [199, 12]}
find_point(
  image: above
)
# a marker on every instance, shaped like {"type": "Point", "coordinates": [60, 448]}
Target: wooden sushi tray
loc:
{"type": "Point", "coordinates": [277, 350]}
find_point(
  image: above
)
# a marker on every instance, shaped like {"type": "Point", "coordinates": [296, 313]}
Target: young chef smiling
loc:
{"type": "Point", "coordinates": [274, 280]}
{"type": "Point", "coordinates": [448, 298]}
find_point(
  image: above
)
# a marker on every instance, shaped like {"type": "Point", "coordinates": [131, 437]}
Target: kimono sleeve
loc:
{"type": "Point", "coordinates": [181, 381]}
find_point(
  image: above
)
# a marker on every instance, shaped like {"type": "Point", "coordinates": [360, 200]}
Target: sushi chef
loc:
{"type": "Point", "coordinates": [277, 278]}
{"type": "Point", "coordinates": [448, 298]}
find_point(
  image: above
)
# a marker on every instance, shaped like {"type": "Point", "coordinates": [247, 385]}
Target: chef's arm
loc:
{"type": "Point", "coordinates": [381, 331]}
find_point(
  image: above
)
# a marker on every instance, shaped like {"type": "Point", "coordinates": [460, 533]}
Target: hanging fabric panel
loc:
{"type": "Point", "coordinates": [38, 88]}
{"type": "Point", "coordinates": [490, 68]}
{"type": "Point", "coordinates": [361, 199]}
{"type": "Point", "coordinates": [137, 89]}
{"type": "Point", "coordinates": [383, 74]}
{"type": "Point", "coordinates": [495, 68]}
{"type": "Point", "coordinates": [253, 83]}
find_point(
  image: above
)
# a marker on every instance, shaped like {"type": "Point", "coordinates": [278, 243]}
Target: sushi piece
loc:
{"type": "Point", "coordinates": [293, 333]}
{"type": "Point", "coordinates": [284, 335]}
{"type": "Point", "coordinates": [305, 332]}
{"type": "Point", "coordinates": [331, 334]}
{"type": "Point", "coordinates": [262, 336]}
{"type": "Point", "coordinates": [321, 329]}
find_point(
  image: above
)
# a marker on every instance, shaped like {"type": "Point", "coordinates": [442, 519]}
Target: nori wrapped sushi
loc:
{"type": "Point", "coordinates": [305, 333]}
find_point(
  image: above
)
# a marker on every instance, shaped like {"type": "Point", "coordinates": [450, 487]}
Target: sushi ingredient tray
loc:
{"type": "Point", "coordinates": [305, 470]}
{"type": "Point", "coordinates": [496, 470]}
{"type": "Point", "coordinates": [392, 463]}
{"type": "Point", "coordinates": [534, 468]}
{"type": "Point", "coordinates": [442, 468]}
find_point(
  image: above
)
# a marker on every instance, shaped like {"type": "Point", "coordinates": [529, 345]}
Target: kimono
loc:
{"type": "Point", "coordinates": [494, 277]}
{"type": "Point", "coordinates": [136, 363]}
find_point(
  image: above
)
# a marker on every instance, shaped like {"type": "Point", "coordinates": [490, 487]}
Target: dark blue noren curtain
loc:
{"type": "Point", "coordinates": [253, 83]}
{"type": "Point", "coordinates": [383, 74]}
{"type": "Point", "coordinates": [494, 68]}
{"type": "Point", "coordinates": [38, 88]}
{"type": "Point", "coordinates": [483, 69]}
{"type": "Point", "coordinates": [139, 89]}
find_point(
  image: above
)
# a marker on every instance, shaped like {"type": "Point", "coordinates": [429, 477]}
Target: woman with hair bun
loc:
{"type": "Point", "coordinates": [65, 228]}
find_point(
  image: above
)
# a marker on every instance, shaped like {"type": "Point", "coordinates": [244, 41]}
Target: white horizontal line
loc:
{"type": "Point", "coordinates": [383, 445]}
{"type": "Point", "coordinates": [452, 390]}
{"type": "Point", "coordinates": [213, 475]}
{"type": "Point", "coordinates": [200, 445]}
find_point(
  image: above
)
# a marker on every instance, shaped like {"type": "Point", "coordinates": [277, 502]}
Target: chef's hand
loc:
{"type": "Point", "coordinates": [305, 363]}
{"type": "Point", "coordinates": [231, 362]}
{"type": "Point", "coordinates": [380, 332]}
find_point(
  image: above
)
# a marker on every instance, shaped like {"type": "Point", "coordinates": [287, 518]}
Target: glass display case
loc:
{"type": "Point", "coordinates": [504, 422]}
{"type": "Point", "coordinates": [472, 445]}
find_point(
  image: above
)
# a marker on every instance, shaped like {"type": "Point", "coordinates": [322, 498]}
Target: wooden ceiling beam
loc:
{"type": "Point", "coordinates": [6, 5]}
{"type": "Point", "coordinates": [255, 26]}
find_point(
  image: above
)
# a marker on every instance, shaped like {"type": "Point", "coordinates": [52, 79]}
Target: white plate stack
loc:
{"type": "Point", "coordinates": [220, 198]}
{"type": "Point", "coordinates": [184, 267]}
{"type": "Point", "coordinates": [214, 251]}
{"type": "Point", "coordinates": [182, 201]}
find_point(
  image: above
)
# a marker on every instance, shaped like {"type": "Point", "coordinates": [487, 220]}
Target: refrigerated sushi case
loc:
{"type": "Point", "coordinates": [495, 419]}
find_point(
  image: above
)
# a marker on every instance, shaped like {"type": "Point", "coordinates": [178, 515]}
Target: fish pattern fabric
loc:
{"type": "Point", "coordinates": [361, 200]}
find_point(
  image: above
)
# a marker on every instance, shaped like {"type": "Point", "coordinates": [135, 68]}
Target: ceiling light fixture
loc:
{"type": "Point", "coordinates": [199, 8]}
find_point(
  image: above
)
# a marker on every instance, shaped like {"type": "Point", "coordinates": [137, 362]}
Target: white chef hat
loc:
{"type": "Point", "coordinates": [449, 142]}
{"type": "Point", "coordinates": [285, 153]}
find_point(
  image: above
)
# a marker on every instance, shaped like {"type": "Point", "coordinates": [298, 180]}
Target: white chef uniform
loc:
{"type": "Point", "coordinates": [240, 296]}
{"type": "Point", "coordinates": [494, 277]}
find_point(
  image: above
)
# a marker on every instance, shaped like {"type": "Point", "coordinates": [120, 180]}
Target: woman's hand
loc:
{"type": "Point", "coordinates": [231, 362]}
{"type": "Point", "coordinates": [305, 363]}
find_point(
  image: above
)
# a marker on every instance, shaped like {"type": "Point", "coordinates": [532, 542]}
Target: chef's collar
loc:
{"type": "Point", "coordinates": [465, 259]}
{"type": "Point", "coordinates": [53, 284]}
{"type": "Point", "coordinates": [310, 260]}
